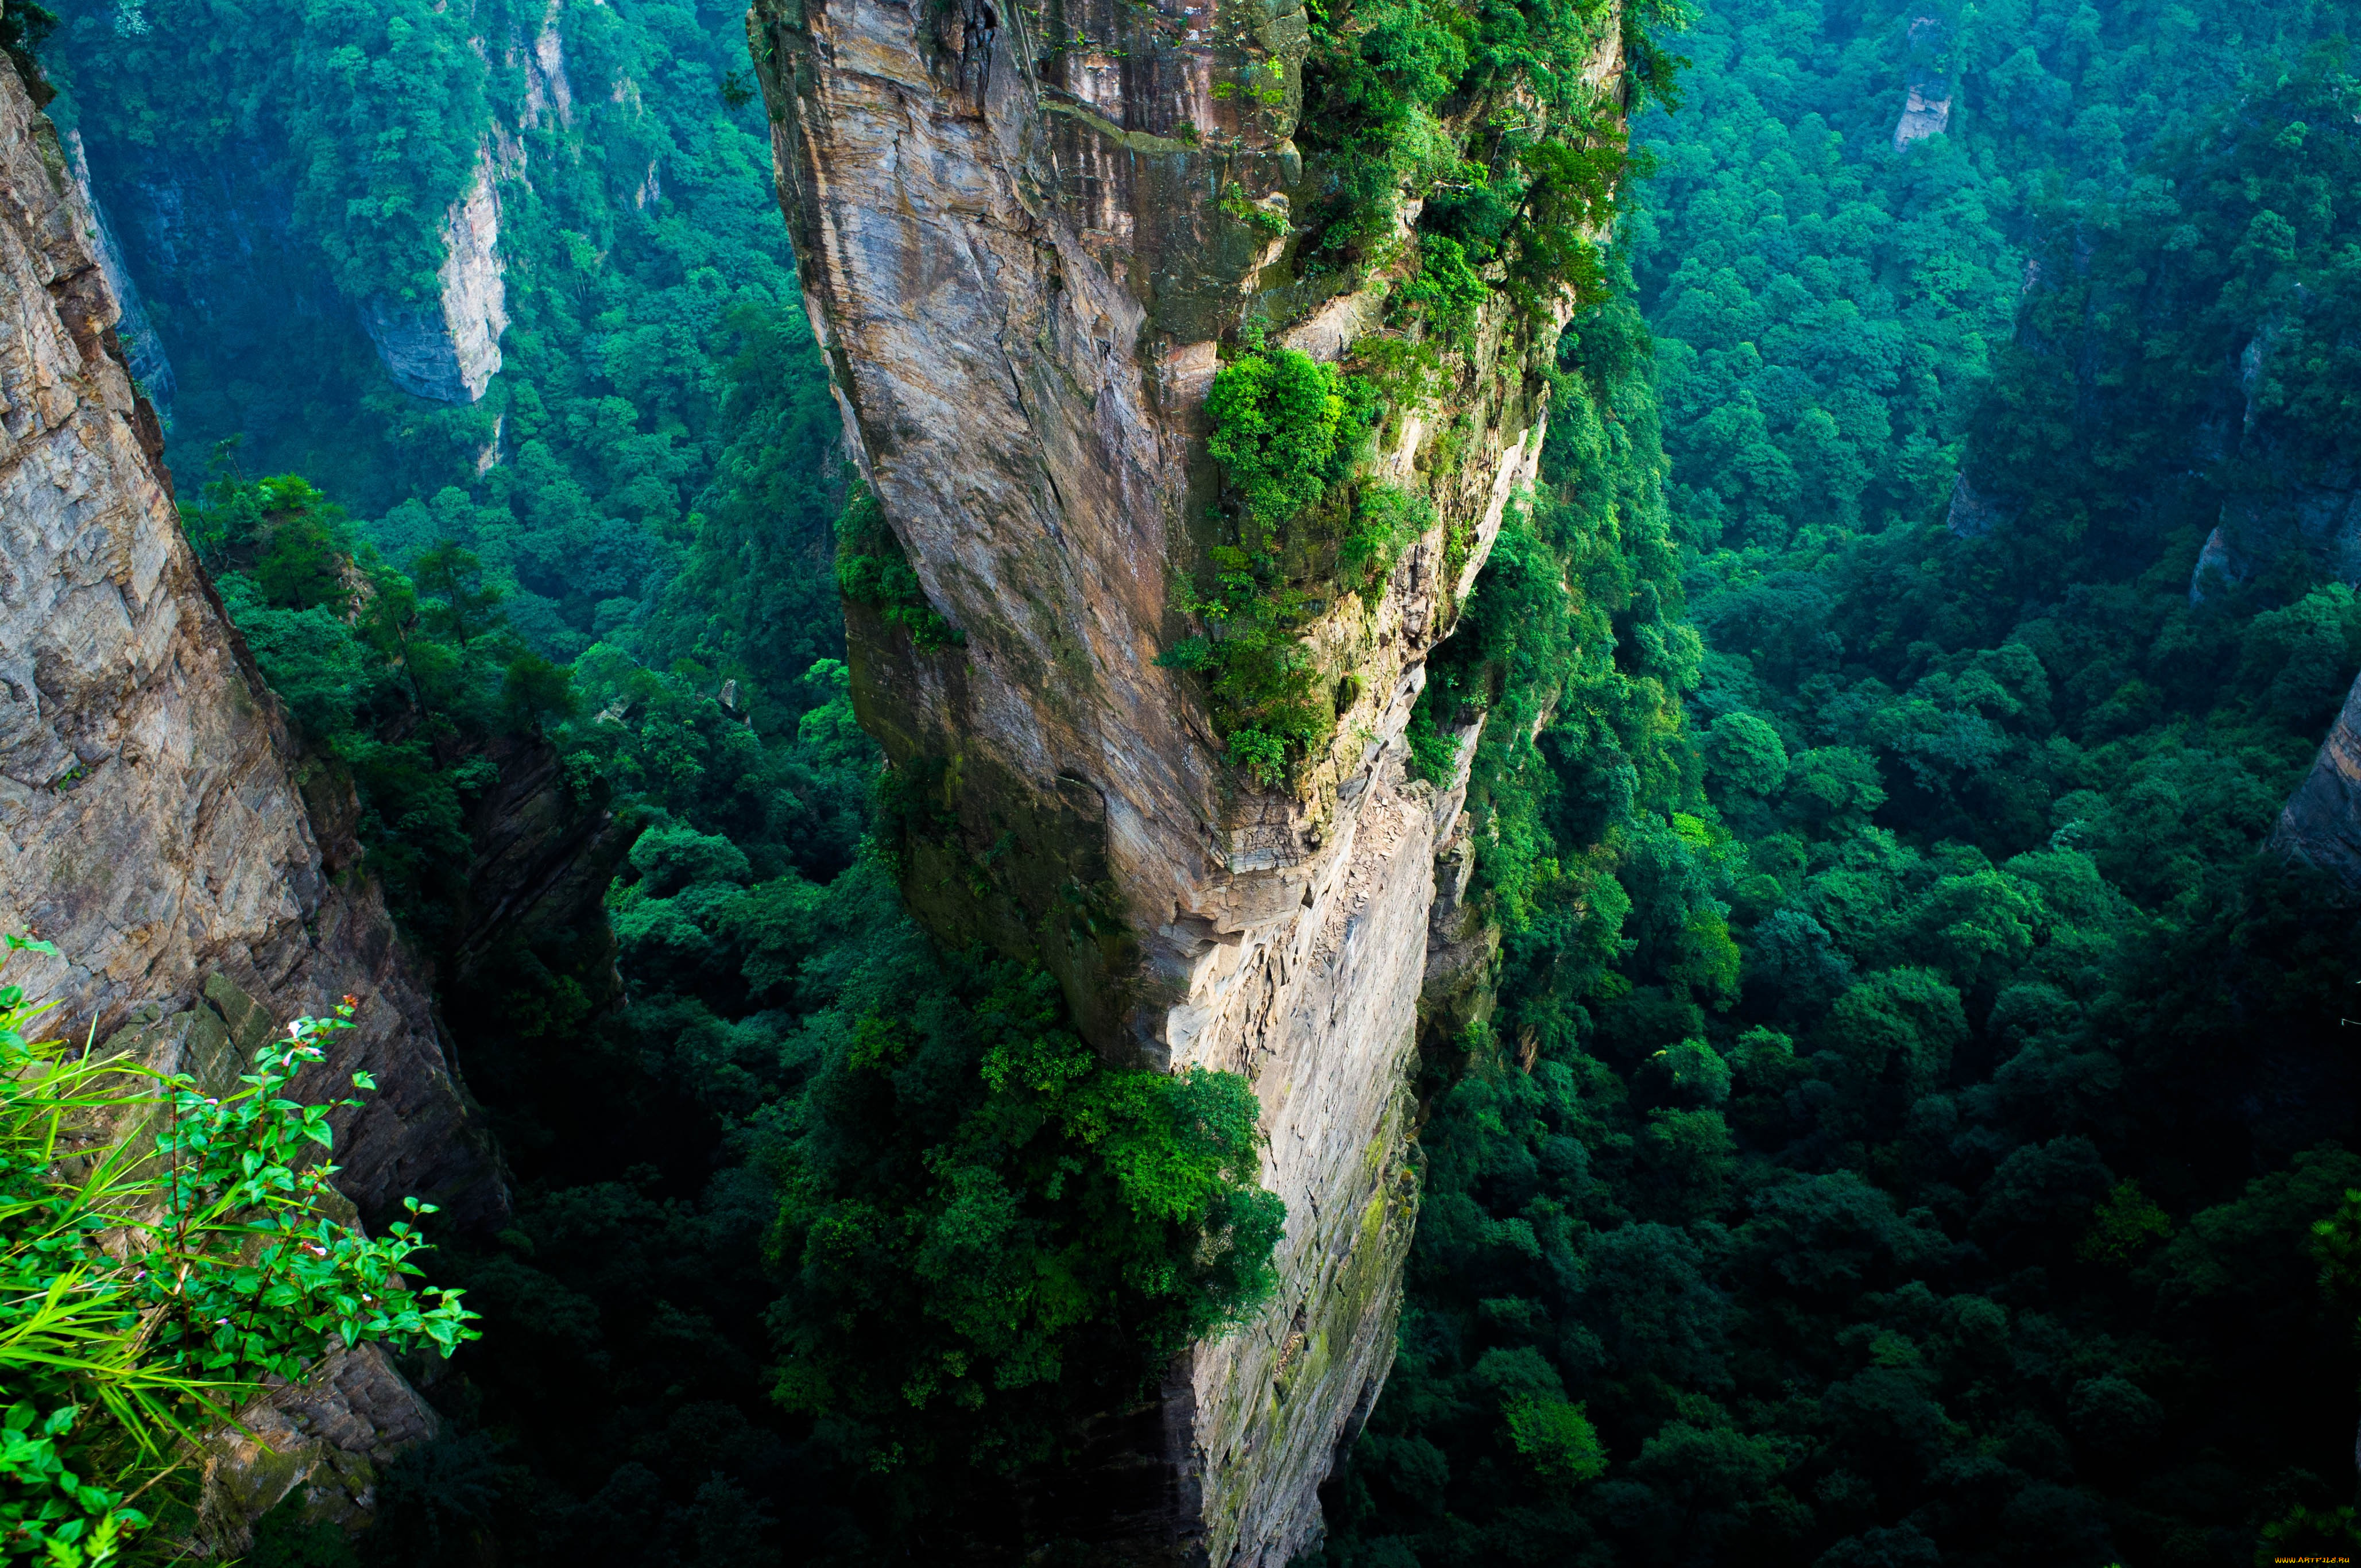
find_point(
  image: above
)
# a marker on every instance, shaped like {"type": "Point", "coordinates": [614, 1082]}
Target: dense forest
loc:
{"type": "Point", "coordinates": [1910, 1120]}
{"type": "Point", "coordinates": [1961, 1209]}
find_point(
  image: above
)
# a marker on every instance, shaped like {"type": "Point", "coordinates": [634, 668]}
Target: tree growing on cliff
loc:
{"type": "Point", "coordinates": [1286, 431]}
{"type": "Point", "coordinates": [986, 1232]}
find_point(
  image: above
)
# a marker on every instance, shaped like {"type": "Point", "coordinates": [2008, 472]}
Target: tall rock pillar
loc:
{"type": "Point", "coordinates": [1023, 234]}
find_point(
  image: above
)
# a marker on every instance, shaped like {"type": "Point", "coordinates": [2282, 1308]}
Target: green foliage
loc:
{"type": "Point", "coordinates": [2124, 1224]}
{"type": "Point", "coordinates": [533, 691]}
{"type": "Point", "coordinates": [1434, 756]}
{"type": "Point", "coordinates": [166, 1253]}
{"type": "Point", "coordinates": [2305, 1532]}
{"type": "Point", "coordinates": [298, 566]}
{"type": "Point", "coordinates": [1386, 521]}
{"type": "Point", "coordinates": [401, 681]}
{"type": "Point", "coordinates": [1447, 292]}
{"type": "Point", "coordinates": [1268, 701]}
{"type": "Point", "coordinates": [1286, 430]}
{"type": "Point", "coordinates": [1747, 753]}
{"type": "Point", "coordinates": [24, 28]}
{"type": "Point", "coordinates": [1556, 1438]}
{"type": "Point", "coordinates": [1486, 119]}
{"type": "Point", "coordinates": [1980, 810]}
{"type": "Point", "coordinates": [872, 570]}
{"type": "Point", "coordinates": [1237, 203]}
{"type": "Point", "coordinates": [984, 1227]}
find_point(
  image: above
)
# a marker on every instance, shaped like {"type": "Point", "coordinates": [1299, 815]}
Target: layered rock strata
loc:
{"type": "Point", "coordinates": [153, 814]}
{"type": "Point", "coordinates": [1024, 237]}
{"type": "Point", "coordinates": [323, 1442]}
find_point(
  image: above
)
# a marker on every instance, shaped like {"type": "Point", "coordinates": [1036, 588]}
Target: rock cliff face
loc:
{"type": "Point", "coordinates": [2321, 823]}
{"type": "Point", "coordinates": [158, 826]}
{"type": "Point", "coordinates": [143, 351]}
{"type": "Point", "coordinates": [2292, 501]}
{"type": "Point", "coordinates": [153, 819]}
{"type": "Point", "coordinates": [1928, 87]}
{"type": "Point", "coordinates": [1021, 253]}
{"type": "Point", "coordinates": [448, 347]}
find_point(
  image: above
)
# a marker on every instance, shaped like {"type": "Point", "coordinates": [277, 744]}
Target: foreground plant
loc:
{"type": "Point", "coordinates": [153, 1287]}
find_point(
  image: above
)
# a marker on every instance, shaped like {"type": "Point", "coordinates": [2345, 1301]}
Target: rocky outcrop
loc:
{"type": "Point", "coordinates": [1461, 943]}
{"type": "Point", "coordinates": [2216, 568]}
{"type": "Point", "coordinates": [1972, 514]}
{"type": "Point", "coordinates": [2317, 514]}
{"type": "Point", "coordinates": [323, 1441]}
{"type": "Point", "coordinates": [542, 865]}
{"type": "Point", "coordinates": [1928, 87]}
{"type": "Point", "coordinates": [2290, 496]}
{"type": "Point", "coordinates": [547, 90]}
{"type": "Point", "coordinates": [153, 814]}
{"type": "Point", "coordinates": [1021, 261]}
{"type": "Point", "coordinates": [2321, 823]}
{"type": "Point", "coordinates": [447, 348]}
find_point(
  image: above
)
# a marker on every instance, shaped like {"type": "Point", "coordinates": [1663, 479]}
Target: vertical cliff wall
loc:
{"type": "Point", "coordinates": [1024, 236]}
{"type": "Point", "coordinates": [143, 350]}
{"type": "Point", "coordinates": [153, 817]}
{"type": "Point", "coordinates": [447, 346]}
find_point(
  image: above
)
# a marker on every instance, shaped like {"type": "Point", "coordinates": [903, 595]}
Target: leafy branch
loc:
{"type": "Point", "coordinates": [151, 1290]}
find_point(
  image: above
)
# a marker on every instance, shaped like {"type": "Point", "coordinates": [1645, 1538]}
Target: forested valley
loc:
{"type": "Point", "coordinates": [1910, 1120]}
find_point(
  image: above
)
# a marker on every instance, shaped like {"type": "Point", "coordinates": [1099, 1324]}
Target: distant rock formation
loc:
{"type": "Point", "coordinates": [1926, 111]}
{"type": "Point", "coordinates": [448, 347]}
{"type": "Point", "coordinates": [232, 269]}
{"type": "Point", "coordinates": [143, 350]}
{"type": "Point", "coordinates": [2216, 568]}
{"type": "Point", "coordinates": [2321, 825]}
{"type": "Point", "coordinates": [547, 88]}
{"type": "Point", "coordinates": [1972, 513]}
{"type": "Point", "coordinates": [2293, 500]}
